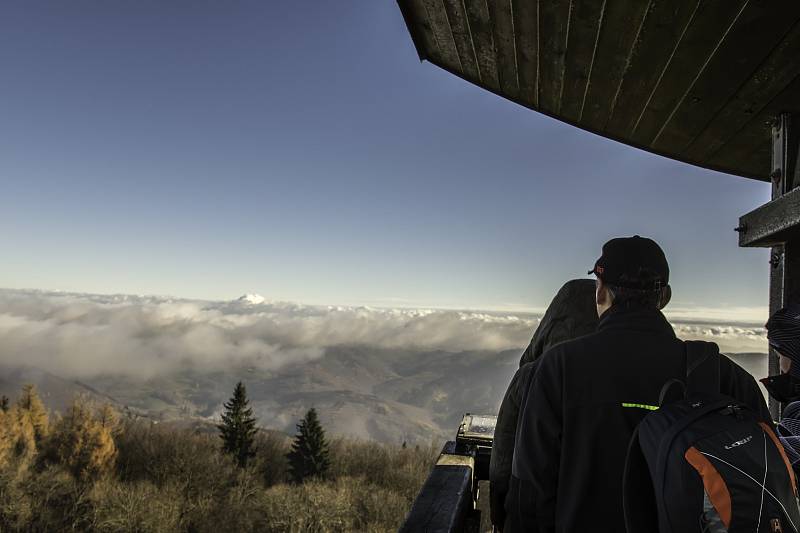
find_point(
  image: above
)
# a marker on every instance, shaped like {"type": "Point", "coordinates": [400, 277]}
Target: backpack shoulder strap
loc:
{"type": "Point", "coordinates": [702, 368]}
{"type": "Point", "coordinates": [639, 503]}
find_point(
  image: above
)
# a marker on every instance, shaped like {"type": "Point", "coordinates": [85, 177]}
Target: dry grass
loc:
{"type": "Point", "coordinates": [167, 480]}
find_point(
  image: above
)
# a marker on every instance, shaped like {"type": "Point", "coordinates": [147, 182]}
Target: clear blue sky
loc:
{"type": "Point", "coordinates": [300, 150]}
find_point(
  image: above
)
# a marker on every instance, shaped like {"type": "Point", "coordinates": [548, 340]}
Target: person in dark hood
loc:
{"type": "Point", "coordinates": [589, 394]}
{"type": "Point", "coordinates": [571, 314]}
{"type": "Point", "coordinates": [783, 334]}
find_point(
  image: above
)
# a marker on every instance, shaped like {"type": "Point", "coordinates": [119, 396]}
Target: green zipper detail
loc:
{"type": "Point", "coordinates": [640, 406]}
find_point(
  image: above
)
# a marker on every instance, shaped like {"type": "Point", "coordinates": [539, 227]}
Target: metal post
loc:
{"type": "Point", "coordinates": [775, 303]}
{"type": "Point", "coordinates": [785, 258]}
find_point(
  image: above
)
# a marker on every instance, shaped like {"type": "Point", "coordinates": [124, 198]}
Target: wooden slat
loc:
{"type": "Point", "coordinates": [526, 43]}
{"type": "Point", "coordinates": [708, 26]}
{"type": "Point", "coordinates": [553, 23]}
{"type": "Point", "coordinates": [750, 150]}
{"type": "Point", "coordinates": [621, 24]}
{"type": "Point", "coordinates": [418, 27]}
{"type": "Point", "coordinates": [777, 71]}
{"type": "Point", "coordinates": [583, 32]}
{"type": "Point", "coordinates": [661, 31]}
{"type": "Point", "coordinates": [447, 53]}
{"type": "Point", "coordinates": [462, 37]}
{"type": "Point", "coordinates": [505, 53]}
{"type": "Point", "coordinates": [417, 20]}
{"type": "Point", "coordinates": [756, 32]}
{"type": "Point", "coordinates": [481, 29]}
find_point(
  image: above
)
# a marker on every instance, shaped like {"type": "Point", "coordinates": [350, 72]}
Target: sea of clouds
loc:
{"type": "Point", "coordinates": [85, 335]}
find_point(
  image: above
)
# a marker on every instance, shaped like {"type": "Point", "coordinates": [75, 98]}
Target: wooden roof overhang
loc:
{"type": "Point", "coordinates": [699, 81]}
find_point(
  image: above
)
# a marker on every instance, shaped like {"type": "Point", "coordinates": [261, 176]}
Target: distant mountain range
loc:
{"type": "Point", "coordinates": [385, 395]}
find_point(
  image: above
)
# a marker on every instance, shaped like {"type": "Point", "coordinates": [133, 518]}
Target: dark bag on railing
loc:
{"type": "Point", "coordinates": [704, 462]}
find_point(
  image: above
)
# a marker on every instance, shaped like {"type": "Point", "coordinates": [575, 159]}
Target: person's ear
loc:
{"type": "Point", "coordinates": [602, 298]}
{"type": "Point", "coordinates": [666, 296]}
{"type": "Point", "coordinates": [601, 294]}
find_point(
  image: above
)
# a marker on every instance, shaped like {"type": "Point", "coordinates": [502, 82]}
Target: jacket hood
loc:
{"type": "Point", "coordinates": [571, 314]}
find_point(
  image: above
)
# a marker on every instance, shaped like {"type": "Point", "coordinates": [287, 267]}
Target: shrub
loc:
{"type": "Point", "coordinates": [402, 470]}
{"type": "Point", "coordinates": [57, 501]}
{"type": "Point", "coordinates": [270, 459]}
{"type": "Point", "coordinates": [136, 506]}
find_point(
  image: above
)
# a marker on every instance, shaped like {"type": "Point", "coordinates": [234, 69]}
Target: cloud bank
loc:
{"type": "Point", "coordinates": [83, 335]}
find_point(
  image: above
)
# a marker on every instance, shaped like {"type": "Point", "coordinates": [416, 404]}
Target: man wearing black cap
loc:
{"type": "Point", "coordinates": [589, 395]}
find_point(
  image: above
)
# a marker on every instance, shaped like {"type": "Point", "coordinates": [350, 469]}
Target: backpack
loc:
{"type": "Point", "coordinates": [704, 462]}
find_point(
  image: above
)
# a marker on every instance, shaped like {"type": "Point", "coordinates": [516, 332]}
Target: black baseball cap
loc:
{"type": "Point", "coordinates": [634, 263]}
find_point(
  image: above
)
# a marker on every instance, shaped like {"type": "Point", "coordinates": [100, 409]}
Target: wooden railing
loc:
{"type": "Point", "coordinates": [448, 501]}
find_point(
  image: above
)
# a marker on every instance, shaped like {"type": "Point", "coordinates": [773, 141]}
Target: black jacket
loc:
{"type": "Point", "coordinates": [574, 431]}
{"type": "Point", "coordinates": [572, 313]}
{"type": "Point", "coordinates": [505, 433]}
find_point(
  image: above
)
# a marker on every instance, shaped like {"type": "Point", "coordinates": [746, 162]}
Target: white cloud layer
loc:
{"type": "Point", "coordinates": [82, 335]}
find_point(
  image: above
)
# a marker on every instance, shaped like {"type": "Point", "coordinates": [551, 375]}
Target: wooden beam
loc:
{"type": "Point", "coordinates": [773, 223]}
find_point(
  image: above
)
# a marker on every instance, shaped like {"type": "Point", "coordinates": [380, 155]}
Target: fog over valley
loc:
{"type": "Point", "coordinates": [380, 373]}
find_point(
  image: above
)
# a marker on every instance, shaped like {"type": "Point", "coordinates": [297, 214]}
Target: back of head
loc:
{"type": "Point", "coordinates": [635, 272]}
{"type": "Point", "coordinates": [571, 314]}
{"type": "Point", "coordinates": [783, 334]}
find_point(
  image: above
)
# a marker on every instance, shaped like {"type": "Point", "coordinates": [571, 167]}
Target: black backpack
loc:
{"type": "Point", "coordinates": [706, 463]}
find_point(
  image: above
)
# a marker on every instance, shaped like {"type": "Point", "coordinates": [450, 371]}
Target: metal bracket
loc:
{"type": "Point", "coordinates": [775, 259]}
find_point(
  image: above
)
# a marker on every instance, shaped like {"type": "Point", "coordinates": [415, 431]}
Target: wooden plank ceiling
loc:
{"type": "Point", "coordinates": [694, 80]}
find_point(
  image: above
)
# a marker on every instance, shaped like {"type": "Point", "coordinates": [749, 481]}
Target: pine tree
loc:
{"type": "Point", "coordinates": [309, 454]}
{"type": "Point", "coordinates": [238, 427]}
